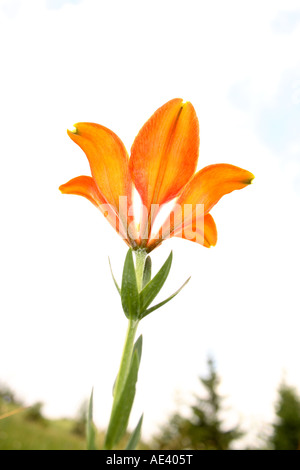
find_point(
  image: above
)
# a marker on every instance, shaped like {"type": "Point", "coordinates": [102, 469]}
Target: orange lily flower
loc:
{"type": "Point", "coordinates": [162, 168]}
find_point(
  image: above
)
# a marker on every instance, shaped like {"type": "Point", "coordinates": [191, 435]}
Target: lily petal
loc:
{"type": "Point", "coordinates": [165, 152]}
{"type": "Point", "coordinates": [213, 182]}
{"type": "Point", "coordinates": [206, 188]}
{"type": "Point", "coordinates": [203, 191]}
{"type": "Point", "coordinates": [108, 160]}
{"type": "Point", "coordinates": [85, 186]}
{"type": "Point", "coordinates": [202, 231]}
{"type": "Point", "coordinates": [210, 231]}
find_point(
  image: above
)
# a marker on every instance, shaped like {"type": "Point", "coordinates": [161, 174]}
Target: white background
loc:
{"type": "Point", "coordinates": [115, 62]}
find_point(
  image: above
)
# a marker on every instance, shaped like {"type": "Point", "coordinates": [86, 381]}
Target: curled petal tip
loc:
{"type": "Point", "coordinates": [249, 179]}
{"type": "Point", "coordinates": [73, 131]}
{"type": "Point", "coordinates": [184, 103]}
{"type": "Point", "coordinates": [61, 188]}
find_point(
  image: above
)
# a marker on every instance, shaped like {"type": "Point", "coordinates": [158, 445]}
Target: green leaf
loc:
{"type": "Point", "coordinates": [147, 271]}
{"type": "Point", "coordinates": [164, 301]}
{"type": "Point", "coordinates": [121, 412]}
{"type": "Point", "coordinates": [129, 290]}
{"type": "Point", "coordinates": [114, 385]}
{"type": "Point", "coordinates": [153, 287]}
{"type": "Point", "coordinates": [116, 284]}
{"type": "Point", "coordinates": [138, 347]}
{"type": "Point", "coordinates": [90, 428]}
{"type": "Point", "coordinates": [135, 436]}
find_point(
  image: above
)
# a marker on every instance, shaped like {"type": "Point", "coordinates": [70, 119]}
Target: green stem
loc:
{"type": "Point", "coordinates": [139, 267]}
{"type": "Point", "coordinates": [129, 342]}
{"type": "Point", "coordinates": [123, 373]}
{"type": "Point", "coordinates": [126, 359]}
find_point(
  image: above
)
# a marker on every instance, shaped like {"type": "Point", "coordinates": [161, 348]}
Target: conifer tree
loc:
{"type": "Point", "coordinates": [203, 429]}
{"type": "Point", "coordinates": [286, 429]}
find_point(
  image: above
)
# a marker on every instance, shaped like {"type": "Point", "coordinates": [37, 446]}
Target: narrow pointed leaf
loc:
{"type": "Point", "coordinates": [135, 436]}
{"type": "Point", "coordinates": [90, 428]}
{"type": "Point", "coordinates": [153, 287]}
{"type": "Point", "coordinates": [121, 412]}
{"type": "Point", "coordinates": [155, 307]}
{"type": "Point", "coordinates": [129, 289]}
{"type": "Point", "coordinates": [138, 347]}
{"type": "Point", "coordinates": [114, 279]}
{"type": "Point", "coordinates": [147, 271]}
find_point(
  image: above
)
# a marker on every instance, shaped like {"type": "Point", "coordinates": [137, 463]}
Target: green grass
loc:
{"type": "Point", "coordinates": [18, 432]}
{"type": "Point", "coordinates": [21, 432]}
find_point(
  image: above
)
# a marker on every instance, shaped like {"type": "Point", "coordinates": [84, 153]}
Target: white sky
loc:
{"type": "Point", "coordinates": [115, 63]}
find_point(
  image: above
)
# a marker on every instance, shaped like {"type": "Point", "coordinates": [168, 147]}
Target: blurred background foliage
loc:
{"type": "Point", "coordinates": [28, 429]}
{"type": "Point", "coordinates": [203, 427]}
{"type": "Point", "coordinates": [286, 429]}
